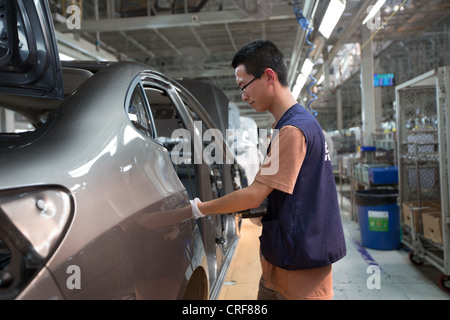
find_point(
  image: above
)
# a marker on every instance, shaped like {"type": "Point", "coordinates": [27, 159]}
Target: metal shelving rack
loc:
{"type": "Point", "coordinates": [423, 118]}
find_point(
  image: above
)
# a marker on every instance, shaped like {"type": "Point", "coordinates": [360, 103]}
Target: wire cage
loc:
{"type": "Point", "coordinates": [420, 148]}
{"type": "Point", "coordinates": [422, 121]}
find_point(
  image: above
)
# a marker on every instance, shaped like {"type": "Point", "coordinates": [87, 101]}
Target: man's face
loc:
{"type": "Point", "coordinates": [252, 90]}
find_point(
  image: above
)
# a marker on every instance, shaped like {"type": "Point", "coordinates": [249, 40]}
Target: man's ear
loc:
{"type": "Point", "coordinates": [271, 75]}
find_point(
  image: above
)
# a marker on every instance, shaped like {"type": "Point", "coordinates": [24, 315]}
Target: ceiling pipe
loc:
{"type": "Point", "coordinates": [299, 43]}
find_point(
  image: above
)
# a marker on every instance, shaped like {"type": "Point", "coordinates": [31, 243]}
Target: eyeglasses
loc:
{"type": "Point", "coordinates": [243, 88]}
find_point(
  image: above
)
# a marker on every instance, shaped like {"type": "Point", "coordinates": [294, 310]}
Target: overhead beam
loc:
{"type": "Point", "coordinates": [137, 44]}
{"type": "Point", "coordinates": [231, 37]}
{"type": "Point", "coordinates": [167, 41]}
{"type": "Point", "coordinates": [174, 20]}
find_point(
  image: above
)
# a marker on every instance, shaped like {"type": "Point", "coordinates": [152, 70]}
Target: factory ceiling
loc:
{"type": "Point", "coordinates": [189, 39]}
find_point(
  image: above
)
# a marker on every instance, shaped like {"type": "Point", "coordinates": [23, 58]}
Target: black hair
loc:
{"type": "Point", "coordinates": [258, 55]}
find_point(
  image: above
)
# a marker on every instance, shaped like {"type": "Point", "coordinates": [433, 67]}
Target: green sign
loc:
{"type": "Point", "coordinates": [379, 221]}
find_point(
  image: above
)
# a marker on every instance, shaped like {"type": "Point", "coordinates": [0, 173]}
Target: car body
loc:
{"type": "Point", "coordinates": [92, 203]}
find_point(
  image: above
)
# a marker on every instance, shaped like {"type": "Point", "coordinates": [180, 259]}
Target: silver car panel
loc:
{"type": "Point", "coordinates": [42, 287]}
{"type": "Point", "coordinates": [128, 234]}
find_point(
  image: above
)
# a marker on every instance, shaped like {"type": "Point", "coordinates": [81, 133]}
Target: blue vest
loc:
{"type": "Point", "coordinates": [304, 230]}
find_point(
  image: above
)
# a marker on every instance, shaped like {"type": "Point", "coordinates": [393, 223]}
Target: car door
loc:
{"type": "Point", "coordinates": [172, 132]}
{"type": "Point", "coordinates": [29, 59]}
{"type": "Point", "coordinates": [223, 177]}
{"type": "Point", "coordinates": [176, 130]}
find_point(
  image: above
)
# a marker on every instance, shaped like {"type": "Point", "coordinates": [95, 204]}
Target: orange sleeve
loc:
{"type": "Point", "coordinates": [282, 165]}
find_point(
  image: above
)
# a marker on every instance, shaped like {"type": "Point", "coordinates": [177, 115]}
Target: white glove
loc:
{"type": "Point", "coordinates": [195, 212]}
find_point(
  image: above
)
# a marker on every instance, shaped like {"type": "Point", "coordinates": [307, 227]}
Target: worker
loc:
{"type": "Point", "coordinates": [302, 233]}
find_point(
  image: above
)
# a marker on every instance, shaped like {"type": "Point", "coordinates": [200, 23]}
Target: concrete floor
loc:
{"type": "Point", "coordinates": [398, 279]}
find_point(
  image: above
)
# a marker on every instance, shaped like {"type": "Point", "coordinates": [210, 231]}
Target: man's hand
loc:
{"type": "Point", "coordinates": [195, 212]}
{"type": "Point", "coordinates": [239, 200]}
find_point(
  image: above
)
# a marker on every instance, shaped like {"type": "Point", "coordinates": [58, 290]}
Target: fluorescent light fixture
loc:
{"type": "Point", "coordinates": [319, 82]}
{"type": "Point", "coordinates": [308, 65]}
{"type": "Point", "coordinates": [299, 84]}
{"type": "Point", "coordinates": [332, 15]}
{"type": "Point", "coordinates": [296, 91]}
{"type": "Point", "coordinates": [374, 10]}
